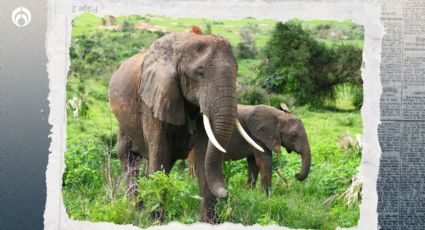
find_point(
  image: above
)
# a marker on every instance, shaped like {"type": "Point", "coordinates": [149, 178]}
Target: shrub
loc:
{"type": "Point", "coordinates": [83, 160]}
{"type": "Point", "coordinates": [276, 99]}
{"type": "Point", "coordinates": [295, 63]}
{"type": "Point", "coordinates": [252, 95]}
{"type": "Point", "coordinates": [127, 26]}
{"type": "Point", "coordinates": [352, 196]}
{"type": "Point", "coordinates": [255, 95]}
{"type": "Point", "coordinates": [169, 193]}
{"type": "Point", "coordinates": [247, 48]}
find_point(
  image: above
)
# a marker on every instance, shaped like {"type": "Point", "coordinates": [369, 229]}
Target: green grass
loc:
{"type": "Point", "coordinates": [94, 188]}
{"type": "Point", "coordinates": [247, 70]}
{"type": "Point", "coordinates": [296, 204]}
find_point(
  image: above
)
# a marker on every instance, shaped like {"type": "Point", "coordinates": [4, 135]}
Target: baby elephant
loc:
{"type": "Point", "coordinates": [271, 128]}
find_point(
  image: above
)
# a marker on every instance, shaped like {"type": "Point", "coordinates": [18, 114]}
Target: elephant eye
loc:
{"type": "Point", "coordinates": [201, 48]}
{"type": "Point", "coordinates": [199, 73]}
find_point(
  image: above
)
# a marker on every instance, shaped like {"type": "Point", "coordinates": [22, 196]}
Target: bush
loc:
{"type": "Point", "coordinates": [127, 26]}
{"type": "Point", "coordinates": [169, 193]}
{"type": "Point", "coordinates": [247, 48]}
{"type": "Point", "coordinates": [83, 160]}
{"type": "Point", "coordinates": [276, 99]}
{"type": "Point", "coordinates": [255, 95]}
{"type": "Point", "coordinates": [295, 63]}
{"type": "Point", "coordinates": [252, 95]}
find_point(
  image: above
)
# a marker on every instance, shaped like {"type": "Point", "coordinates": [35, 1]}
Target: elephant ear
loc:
{"type": "Point", "coordinates": [159, 86]}
{"type": "Point", "coordinates": [262, 125]}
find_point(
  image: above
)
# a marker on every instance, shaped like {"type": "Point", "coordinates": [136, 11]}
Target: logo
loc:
{"type": "Point", "coordinates": [21, 16]}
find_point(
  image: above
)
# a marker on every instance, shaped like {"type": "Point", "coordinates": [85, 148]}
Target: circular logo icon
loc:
{"type": "Point", "coordinates": [21, 17]}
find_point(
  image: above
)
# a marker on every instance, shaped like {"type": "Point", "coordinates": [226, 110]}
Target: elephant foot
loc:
{"type": "Point", "coordinates": [207, 213]}
{"type": "Point", "coordinates": [210, 219]}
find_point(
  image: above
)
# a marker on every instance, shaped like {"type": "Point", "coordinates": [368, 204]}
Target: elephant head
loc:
{"type": "Point", "coordinates": [276, 128]}
{"type": "Point", "coordinates": [184, 74]}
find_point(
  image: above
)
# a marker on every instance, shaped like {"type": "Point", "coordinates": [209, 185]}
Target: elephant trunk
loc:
{"type": "Point", "coordinates": [223, 115]}
{"type": "Point", "coordinates": [305, 165]}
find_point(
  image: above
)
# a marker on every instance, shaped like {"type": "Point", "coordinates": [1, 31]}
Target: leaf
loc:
{"type": "Point", "coordinates": [154, 207]}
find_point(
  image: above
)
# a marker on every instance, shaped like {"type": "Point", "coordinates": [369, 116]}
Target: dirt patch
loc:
{"type": "Point", "coordinates": [147, 26]}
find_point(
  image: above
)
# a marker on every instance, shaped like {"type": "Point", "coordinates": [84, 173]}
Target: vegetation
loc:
{"type": "Point", "coordinates": [295, 63]}
{"type": "Point", "coordinates": [93, 184]}
{"type": "Point", "coordinates": [247, 48]}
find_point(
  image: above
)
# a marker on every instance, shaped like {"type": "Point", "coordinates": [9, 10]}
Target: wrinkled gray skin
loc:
{"type": "Point", "coordinates": [158, 98]}
{"type": "Point", "coordinates": [271, 128]}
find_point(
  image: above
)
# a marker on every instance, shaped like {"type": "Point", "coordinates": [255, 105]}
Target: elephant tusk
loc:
{"type": "Point", "coordinates": [210, 134]}
{"type": "Point", "coordinates": [247, 137]}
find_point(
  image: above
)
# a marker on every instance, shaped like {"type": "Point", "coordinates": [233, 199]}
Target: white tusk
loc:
{"type": "Point", "coordinates": [210, 134]}
{"type": "Point", "coordinates": [247, 137]}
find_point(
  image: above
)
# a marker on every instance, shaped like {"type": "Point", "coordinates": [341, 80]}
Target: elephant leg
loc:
{"type": "Point", "coordinates": [191, 166]}
{"type": "Point", "coordinates": [253, 171]}
{"type": "Point", "coordinates": [208, 203]}
{"type": "Point", "coordinates": [130, 160]}
{"type": "Point", "coordinates": [159, 153]}
{"type": "Point", "coordinates": [264, 162]}
{"type": "Point", "coordinates": [159, 150]}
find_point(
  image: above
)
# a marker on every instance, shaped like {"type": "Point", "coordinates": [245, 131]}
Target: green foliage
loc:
{"type": "Point", "coordinates": [337, 31]}
{"type": "Point", "coordinates": [127, 26]}
{"type": "Point", "coordinates": [266, 220]}
{"type": "Point", "coordinates": [295, 63]}
{"type": "Point", "coordinates": [100, 54]}
{"type": "Point", "coordinates": [252, 95]}
{"type": "Point", "coordinates": [83, 158]}
{"type": "Point", "coordinates": [159, 191]}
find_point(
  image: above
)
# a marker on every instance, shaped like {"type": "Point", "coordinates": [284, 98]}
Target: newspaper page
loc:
{"type": "Point", "coordinates": [401, 204]}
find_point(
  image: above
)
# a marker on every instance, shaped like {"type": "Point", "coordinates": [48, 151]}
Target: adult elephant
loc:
{"type": "Point", "coordinates": [270, 127]}
{"type": "Point", "coordinates": [159, 97]}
